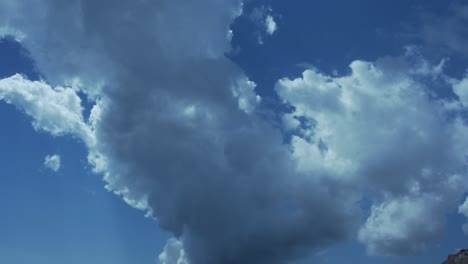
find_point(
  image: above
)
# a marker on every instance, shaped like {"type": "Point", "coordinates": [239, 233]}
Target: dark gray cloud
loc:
{"type": "Point", "coordinates": [175, 130]}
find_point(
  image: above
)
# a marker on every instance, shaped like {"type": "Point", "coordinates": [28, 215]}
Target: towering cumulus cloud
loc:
{"type": "Point", "coordinates": [176, 132]}
{"type": "Point", "coordinates": [384, 129]}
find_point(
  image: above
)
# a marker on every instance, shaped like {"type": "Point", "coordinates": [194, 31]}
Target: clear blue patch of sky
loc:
{"type": "Point", "coordinates": [15, 59]}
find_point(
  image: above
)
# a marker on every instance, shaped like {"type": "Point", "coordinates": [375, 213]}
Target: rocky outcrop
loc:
{"type": "Point", "coordinates": [459, 258]}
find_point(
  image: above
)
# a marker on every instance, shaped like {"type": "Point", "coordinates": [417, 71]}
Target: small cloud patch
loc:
{"type": "Point", "coordinates": [52, 162]}
{"type": "Point", "coordinates": [264, 22]}
{"type": "Point", "coordinates": [270, 24]}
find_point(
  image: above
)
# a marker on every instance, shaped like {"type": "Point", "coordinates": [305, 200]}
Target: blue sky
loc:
{"type": "Point", "coordinates": [338, 137]}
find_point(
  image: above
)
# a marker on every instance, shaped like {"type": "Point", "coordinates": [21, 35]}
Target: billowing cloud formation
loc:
{"type": "Point", "coordinates": [395, 227]}
{"type": "Point", "coordinates": [176, 132]}
{"type": "Point", "coordinates": [380, 128]}
{"type": "Point", "coordinates": [52, 162]}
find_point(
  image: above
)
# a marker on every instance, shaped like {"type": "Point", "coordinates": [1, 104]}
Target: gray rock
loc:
{"type": "Point", "coordinates": [459, 258]}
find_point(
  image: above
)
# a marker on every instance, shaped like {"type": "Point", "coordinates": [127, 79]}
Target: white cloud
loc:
{"type": "Point", "coordinates": [395, 226]}
{"type": "Point", "coordinates": [173, 253]}
{"type": "Point", "coordinates": [463, 209]}
{"type": "Point", "coordinates": [461, 90]}
{"type": "Point", "coordinates": [378, 129]}
{"type": "Point", "coordinates": [52, 162]}
{"type": "Point", "coordinates": [55, 110]}
{"type": "Point", "coordinates": [405, 225]}
{"type": "Point", "coordinates": [290, 122]}
{"type": "Point", "coordinates": [9, 32]}
{"type": "Point", "coordinates": [264, 22]}
{"type": "Point", "coordinates": [271, 26]}
{"type": "Point", "coordinates": [244, 90]}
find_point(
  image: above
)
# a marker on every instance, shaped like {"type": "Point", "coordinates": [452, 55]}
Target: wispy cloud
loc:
{"type": "Point", "coordinates": [264, 22]}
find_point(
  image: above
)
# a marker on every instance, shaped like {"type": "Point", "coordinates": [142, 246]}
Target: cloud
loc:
{"type": "Point", "coordinates": [8, 32]}
{"type": "Point", "coordinates": [460, 88]}
{"type": "Point", "coordinates": [396, 226]}
{"type": "Point", "coordinates": [52, 162]}
{"type": "Point", "coordinates": [55, 110]}
{"type": "Point", "coordinates": [173, 253]}
{"type": "Point", "coordinates": [271, 26]}
{"type": "Point", "coordinates": [463, 209]}
{"type": "Point", "coordinates": [264, 22]}
{"type": "Point", "coordinates": [379, 129]}
{"type": "Point", "coordinates": [177, 130]}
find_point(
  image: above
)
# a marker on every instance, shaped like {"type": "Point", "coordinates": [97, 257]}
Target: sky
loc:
{"type": "Point", "coordinates": [234, 132]}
